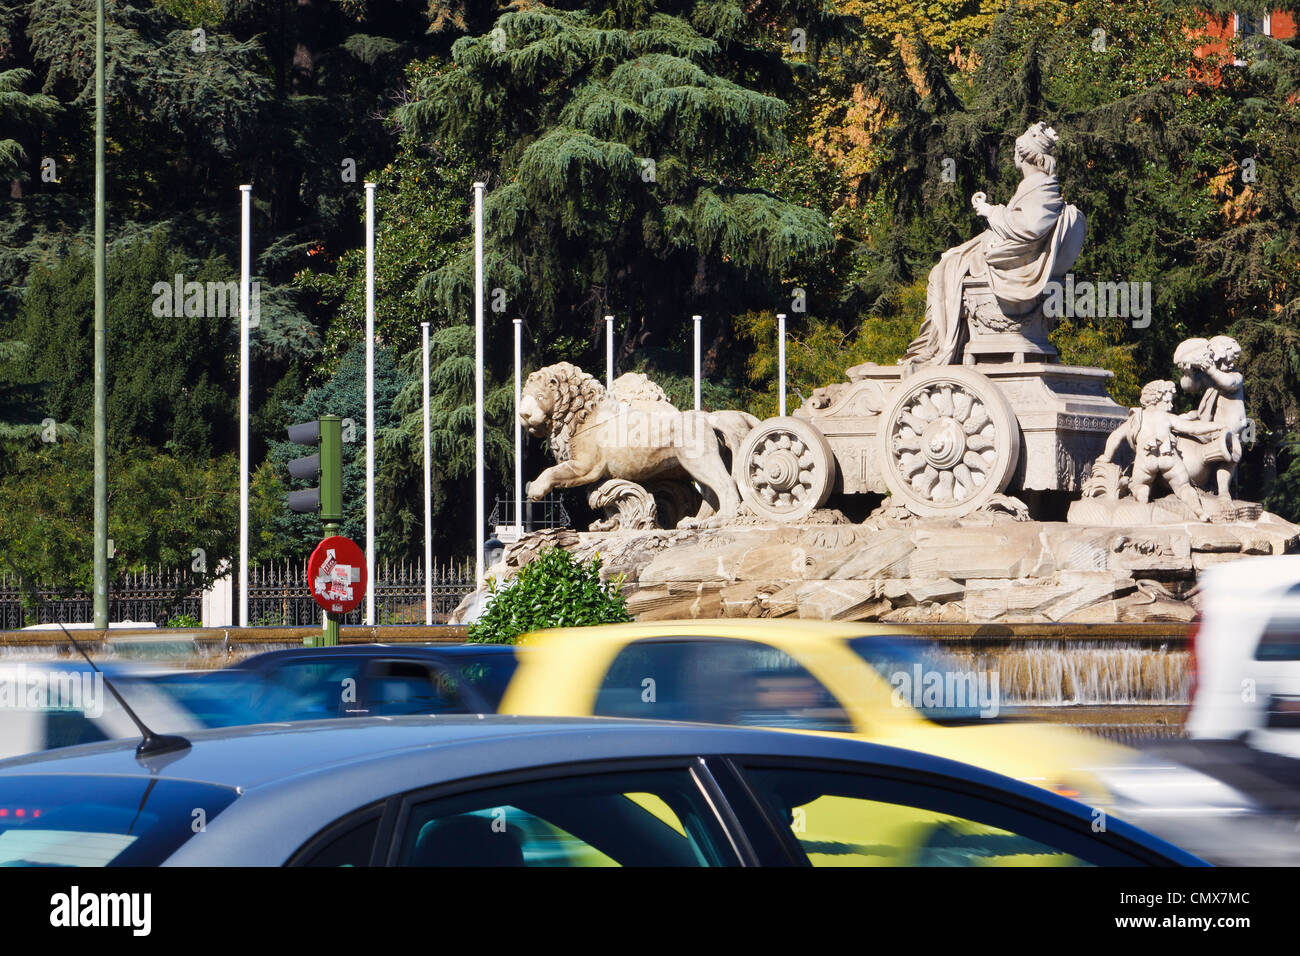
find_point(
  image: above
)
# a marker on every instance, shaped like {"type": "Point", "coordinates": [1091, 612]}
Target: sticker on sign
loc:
{"type": "Point", "coordinates": [334, 568]}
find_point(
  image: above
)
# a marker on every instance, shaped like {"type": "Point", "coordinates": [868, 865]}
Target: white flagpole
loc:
{"type": "Point", "coordinates": [781, 358]}
{"type": "Point", "coordinates": [245, 268]}
{"type": "Point", "coordinates": [480, 520]}
{"type": "Point", "coordinates": [519, 435]}
{"type": "Point", "coordinates": [370, 403]}
{"type": "Point", "coordinates": [696, 319]}
{"type": "Point", "coordinates": [428, 503]}
{"type": "Point", "coordinates": [609, 352]}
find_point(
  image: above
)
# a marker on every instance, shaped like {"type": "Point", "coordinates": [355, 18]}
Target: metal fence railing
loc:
{"type": "Point", "coordinates": [531, 515]}
{"type": "Point", "coordinates": [156, 595]}
{"type": "Point", "coordinates": [277, 595]}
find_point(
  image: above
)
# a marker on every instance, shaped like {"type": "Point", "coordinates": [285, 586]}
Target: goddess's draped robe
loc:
{"type": "Point", "coordinates": [1031, 240]}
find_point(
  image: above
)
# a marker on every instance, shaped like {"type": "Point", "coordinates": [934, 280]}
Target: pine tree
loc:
{"type": "Point", "coordinates": [18, 108]}
{"type": "Point", "coordinates": [169, 386]}
{"type": "Point", "coordinates": [617, 141]}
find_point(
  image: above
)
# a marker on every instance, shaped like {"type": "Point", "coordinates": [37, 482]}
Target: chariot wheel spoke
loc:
{"type": "Point", "coordinates": [943, 489]}
{"type": "Point", "coordinates": [943, 402]}
{"type": "Point", "coordinates": [924, 409]}
{"type": "Point", "coordinates": [908, 443]}
{"type": "Point", "coordinates": [961, 406]}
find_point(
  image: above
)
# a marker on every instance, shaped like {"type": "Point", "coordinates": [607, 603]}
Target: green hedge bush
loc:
{"type": "Point", "coordinates": [552, 590]}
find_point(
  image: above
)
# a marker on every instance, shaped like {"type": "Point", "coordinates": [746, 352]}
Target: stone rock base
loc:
{"type": "Point", "coordinates": [977, 570]}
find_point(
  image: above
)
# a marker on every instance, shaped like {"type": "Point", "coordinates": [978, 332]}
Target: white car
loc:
{"type": "Point", "coordinates": [1246, 655]}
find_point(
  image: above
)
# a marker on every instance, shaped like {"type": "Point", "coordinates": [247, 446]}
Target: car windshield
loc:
{"type": "Point", "coordinates": [930, 679]}
{"type": "Point", "coordinates": [81, 820]}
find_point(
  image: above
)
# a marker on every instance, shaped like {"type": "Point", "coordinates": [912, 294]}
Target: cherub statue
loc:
{"type": "Point", "coordinates": [1151, 431]}
{"type": "Point", "coordinates": [1211, 367]}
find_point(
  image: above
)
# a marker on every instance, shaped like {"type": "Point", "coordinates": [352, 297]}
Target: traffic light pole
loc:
{"type": "Point", "coordinates": [330, 500]}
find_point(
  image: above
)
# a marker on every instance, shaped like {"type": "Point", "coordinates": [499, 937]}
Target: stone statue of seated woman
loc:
{"type": "Point", "coordinates": [1030, 241]}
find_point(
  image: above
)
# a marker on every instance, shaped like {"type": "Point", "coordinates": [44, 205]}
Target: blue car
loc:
{"type": "Point", "coordinates": [493, 790]}
{"type": "Point", "coordinates": [358, 680]}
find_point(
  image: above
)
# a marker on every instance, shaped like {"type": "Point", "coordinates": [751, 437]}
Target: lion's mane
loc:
{"type": "Point", "coordinates": [576, 394]}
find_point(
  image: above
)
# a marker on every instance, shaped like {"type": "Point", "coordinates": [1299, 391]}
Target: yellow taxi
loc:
{"type": "Point", "coordinates": [871, 680]}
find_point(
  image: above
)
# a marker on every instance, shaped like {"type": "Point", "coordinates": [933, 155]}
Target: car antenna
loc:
{"type": "Point", "coordinates": [151, 744]}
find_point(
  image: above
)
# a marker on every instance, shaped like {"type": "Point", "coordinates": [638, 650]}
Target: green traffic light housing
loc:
{"type": "Point", "coordinates": [327, 465]}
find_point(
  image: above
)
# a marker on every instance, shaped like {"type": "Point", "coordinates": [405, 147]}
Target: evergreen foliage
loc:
{"type": "Point", "coordinates": [648, 159]}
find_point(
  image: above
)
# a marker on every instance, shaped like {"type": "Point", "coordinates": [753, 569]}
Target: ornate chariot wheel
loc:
{"type": "Point", "coordinates": [949, 441]}
{"type": "Point", "coordinates": [785, 469]}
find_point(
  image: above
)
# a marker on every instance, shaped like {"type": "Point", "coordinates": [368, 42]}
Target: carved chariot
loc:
{"type": "Point", "coordinates": [943, 440]}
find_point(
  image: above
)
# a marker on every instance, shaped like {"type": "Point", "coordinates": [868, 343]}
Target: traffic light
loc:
{"type": "Point", "coordinates": [327, 466]}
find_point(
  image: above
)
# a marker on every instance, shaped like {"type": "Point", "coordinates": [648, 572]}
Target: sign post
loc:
{"type": "Point", "coordinates": [326, 499]}
{"type": "Point", "coordinates": [336, 574]}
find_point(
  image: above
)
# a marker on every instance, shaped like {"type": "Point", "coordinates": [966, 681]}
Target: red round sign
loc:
{"type": "Point", "coordinates": [336, 574]}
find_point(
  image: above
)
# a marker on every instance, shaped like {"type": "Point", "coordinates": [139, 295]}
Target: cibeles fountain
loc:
{"type": "Point", "coordinates": [1011, 488]}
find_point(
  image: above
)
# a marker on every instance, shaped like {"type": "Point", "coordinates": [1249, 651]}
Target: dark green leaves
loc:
{"type": "Point", "coordinates": [552, 590]}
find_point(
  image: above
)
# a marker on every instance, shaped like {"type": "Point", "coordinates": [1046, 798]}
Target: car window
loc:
{"type": "Point", "coordinates": [928, 678]}
{"type": "Point", "coordinates": [410, 687]}
{"type": "Point", "coordinates": [67, 728]}
{"type": "Point", "coordinates": [643, 818]}
{"type": "Point", "coordinates": [849, 819]}
{"type": "Point", "coordinates": [1281, 638]}
{"type": "Point", "coordinates": [72, 820]}
{"type": "Point", "coordinates": [719, 682]}
{"type": "Point", "coordinates": [225, 698]}
{"type": "Point", "coordinates": [349, 842]}
{"type": "Point", "coordinates": [311, 689]}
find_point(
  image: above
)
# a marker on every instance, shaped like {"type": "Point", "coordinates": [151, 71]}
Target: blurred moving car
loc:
{"type": "Point", "coordinates": [356, 680]}
{"type": "Point", "coordinates": [1246, 654]}
{"type": "Point", "coordinates": [873, 681]}
{"type": "Point", "coordinates": [500, 791]}
{"type": "Point", "coordinates": [48, 704]}
{"type": "Point", "coordinates": [72, 705]}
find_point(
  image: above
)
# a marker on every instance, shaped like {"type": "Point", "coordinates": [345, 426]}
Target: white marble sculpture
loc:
{"type": "Point", "coordinates": [1031, 240]}
{"type": "Point", "coordinates": [1152, 432]}
{"type": "Point", "coordinates": [634, 440]}
{"type": "Point", "coordinates": [1210, 368]}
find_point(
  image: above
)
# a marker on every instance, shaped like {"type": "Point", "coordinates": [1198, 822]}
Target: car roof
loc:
{"type": "Point", "coordinates": [295, 778]}
{"type": "Point", "coordinates": [113, 668]}
{"type": "Point", "coordinates": [384, 650]}
{"type": "Point", "coordinates": [1251, 575]}
{"type": "Point", "coordinates": [785, 629]}
{"type": "Point", "coordinates": [247, 757]}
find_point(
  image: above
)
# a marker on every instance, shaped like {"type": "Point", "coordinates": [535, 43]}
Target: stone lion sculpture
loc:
{"type": "Point", "coordinates": [633, 434]}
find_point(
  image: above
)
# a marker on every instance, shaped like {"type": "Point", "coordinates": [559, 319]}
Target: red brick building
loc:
{"type": "Point", "coordinates": [1219, 29]}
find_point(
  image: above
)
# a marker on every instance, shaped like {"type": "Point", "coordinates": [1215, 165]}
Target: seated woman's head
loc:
{"type": "Point", "coordinates": [1035, 148]}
